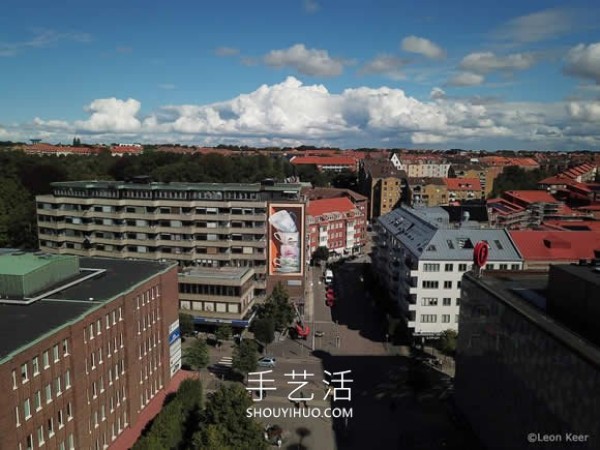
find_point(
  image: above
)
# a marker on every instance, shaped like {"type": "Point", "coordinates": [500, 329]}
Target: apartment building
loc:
{"type": "Point", "coordinates": [382, 184]}
{"type": "Point", "coordinates": [427, 191]}
{"type": "Point", "coordinates": [462, 189]}
{"type": "Point", "coordinates": [88, 343]}
{"type": "Point", "coordinates": [336, 223]}
{"type": "Point", "coordinates": [417, 166]}
{"type": "Point", "coordinates": [203, 225]}
{"type": "Point", "coordinates": [420, 258]}
{"type": "Point", "coordinates": [528, 358]}
{"type": "Point", "coordinates": [328, 163]}
{"type": "Point", "coordinates": [485, 175]}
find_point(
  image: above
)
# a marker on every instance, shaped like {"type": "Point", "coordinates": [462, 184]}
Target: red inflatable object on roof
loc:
{"type": "Point", "coordinates": [481, 253]}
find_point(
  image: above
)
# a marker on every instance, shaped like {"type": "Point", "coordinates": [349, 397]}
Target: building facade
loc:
{"type": "Point", "coordinates": [203, 225]}
{"type": "Point", "coordinates": [427, 192]}
{"type": "Point", "coordinates": [382, 184]}
{"type": "Point", "coordinates": [420, 259]}
{"type": "Point", "coordinates": [88, 349]}
{"type": "Point", "coordinates": [336, 223]}
{"type": "Point", "coordinates": [521, 372]}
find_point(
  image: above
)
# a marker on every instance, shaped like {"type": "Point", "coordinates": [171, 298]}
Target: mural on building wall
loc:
{"type": "Point", "coordinates": [286, 239]}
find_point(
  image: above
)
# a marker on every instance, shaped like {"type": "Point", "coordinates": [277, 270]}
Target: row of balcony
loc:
{"type": "Point", "coordinates": [152, 229]}
{"type": "Point", "coordinates": [89, 214]}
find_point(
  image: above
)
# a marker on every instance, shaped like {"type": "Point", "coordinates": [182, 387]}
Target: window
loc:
{"type": "Point", "coordinates": [462, 267]}
{"type": "Point", "coordinates": [14, 379]}
{"type": "Point", "coordinates": [91, 331]}
{"type": "Point", "coordinates": [428, 301]}
{"type": "Point", "coordinates": [35, 364]}
{"type": "Point", "coordinates": [40, 433]}
{"type": "Point", "coordinates": [17, 418]}
{"type": "Point", "coordinates": [447, 301]}
{"type": "Point", "coordinates": [428, 284]}
{"type": "Point", "coordinates": [120, 313]}
{"type": "Point", "coordinates": [114, 317]}
{"type": "Point", "coordinates": [55, 353]}
{"type": "Point", "coordinates": [29, 442]}
{"type": "Point", "coordinates": [489, 266]}
{"type": "Point", "coordinates": [458, 284]}
{"type": "Point", "coordinates": [450, 244]}
{"type": "Point", "coordinates": [107, 321]}
{"type": "Point", "coordinates": [514, 267]}
{"type": "Point", "coordinates": [428, 318]}
{"type": "Point", "coordinates": [67, 379]}
{"type": "Point", "coordinates": [37, 400]}
{"type": "Point", "coordinates": [57, 386]}
{"type": "Point", "coordinates": [60, 418]}
{"type": "Point", "coordinates": [503, 266]}
{"type": "Point", "coordinates": [447, 284]}
{"type": "Point", "coordinates": [69, 411]}
{"type": "Point", "coordinates": [48, 390]}
{"type": "Point", "coordinates": [46, 359]}
{"type": "Point", "coordinates": [98, 327]}
{"type": "Point", "coordinates": [65, 347]}
{"type": "Point", "coordinates": [71, 442]}
{"type": "Point", "coordinates": [26, 409]}
{"type": "Point", "coordinates": [431, 267]}
{"type": "Point", "coordinates": [99, 356]}
{"type": "Point", "coordinates": [498, 244]}
{"type": "Point", "coordinates": [445, 318]}
{"type": "Point", "coordinates": [24, 374]}
{"type": "Point", "coordinates": [448, 267]}
{"type": "Point", "coordinates": [94, 389]}
{"type": "Point", "coordinates": [93, 360]}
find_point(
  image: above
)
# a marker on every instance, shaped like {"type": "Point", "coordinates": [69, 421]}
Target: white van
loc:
{"type": "Point", "coordinates": [328, 276]}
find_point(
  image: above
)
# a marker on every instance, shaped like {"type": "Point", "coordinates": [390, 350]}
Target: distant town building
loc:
{"type": "Point", "coordinates": [382, 184]}
{"type": "Point", "coordinates": [88, 343]}
{"type": "Point", "coordinates": [420, 258]}
{"type": "Point", "coordinates": [427, 191]}
{"type": "Point", "coordinates": [528, 358]}
{"type": "Point", "coordinates": [327, 163]}
{"type": "Point", "coordinates": [462, 189]}
{"type": "Point", "coordinates": [417, 166]}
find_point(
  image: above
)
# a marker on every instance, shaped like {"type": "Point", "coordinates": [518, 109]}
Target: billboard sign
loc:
{"type": "Point", "coordinates": [286, 239]}
{"type": "Point", "coordinates": [175, 346]}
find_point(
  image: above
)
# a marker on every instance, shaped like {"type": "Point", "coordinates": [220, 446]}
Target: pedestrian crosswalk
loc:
{"type": "Point", "coordinates": [226, 361]}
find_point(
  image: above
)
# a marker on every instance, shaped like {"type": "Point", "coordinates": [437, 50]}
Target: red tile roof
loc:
{"type": "Point", "coordinates": [330, 205]}
{"type": "Point", "coordinates": [556, 245]}
{"type": "Point", "coordinates": [532, 196]}
{"type": "Point", "coordinates": [463, 184]}
{"type": "Point", "coordinates": [504, 206]}
{"type": "Point", "coordinates": [572, 225]}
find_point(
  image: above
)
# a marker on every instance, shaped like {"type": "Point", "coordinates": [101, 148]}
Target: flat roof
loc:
{"type": "Point", "coordinates": [157, 186]}
{"type": "Point", "coordinates": [22, 263]}
{"type": "Point", "coordinates": [225, 273]}
{"type": "Point", "coordinates": [591, 274]}
{"type": "Point", "coordinates": [23, 325]}
{"type": "Point", "coordinates": [517, 289]}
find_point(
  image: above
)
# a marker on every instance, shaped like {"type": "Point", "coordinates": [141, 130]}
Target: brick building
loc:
{"type": "Point", "coordinates": [87, 344]}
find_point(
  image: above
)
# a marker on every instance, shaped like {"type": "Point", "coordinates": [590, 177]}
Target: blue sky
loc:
{"type": "Point", "coordinates": [432, 74]}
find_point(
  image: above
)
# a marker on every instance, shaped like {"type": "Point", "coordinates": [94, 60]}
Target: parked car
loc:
{"type": "Point", "coordinates": [267, 361]}
{"type": "Point", "coordinates": [328, 276]}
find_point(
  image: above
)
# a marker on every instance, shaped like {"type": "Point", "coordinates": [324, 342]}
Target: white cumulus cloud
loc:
{"type": "Point", "coordinates": [387, 65]}
{"type": "Point", "coordinates": [538, 26]}
{"type": "Point", "coordinates": [486, 62]}
{"type": "Point", "coordinates": [584, 111]}
{"type": "Point", "coordinates": [111, 114]}
{"type": "Point", "coordinates": [466, 79]}
{"type": "Point", "coordinates": [422, 46]}
{"type": "Point", "coordinates": [313, 62]}
{"type": "Point", "coordinates": [583, 61]}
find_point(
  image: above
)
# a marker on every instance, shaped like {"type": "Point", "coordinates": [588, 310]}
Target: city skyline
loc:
{"type": "Point", "coordinates": [466, 75]}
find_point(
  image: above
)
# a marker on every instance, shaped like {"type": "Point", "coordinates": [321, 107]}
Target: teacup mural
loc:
{"type": "Point", "coordinates": [286, 227]}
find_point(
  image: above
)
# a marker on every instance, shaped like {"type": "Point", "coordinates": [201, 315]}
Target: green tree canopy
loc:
{"type": "Point", "coordinates": [264, 330]}
{"type": "Point", "coordinates": [278, 308]}
{"type": "Point", "coordinates": [447, 343]}
{"type": "Point", "coordinates": [186, 323]}
{"type": "Point", "coordinates": [245, 357]}
{"type": "Point", "coordinates": [223, 332]}
{"type": "Point", "coordinates": [196, 355]}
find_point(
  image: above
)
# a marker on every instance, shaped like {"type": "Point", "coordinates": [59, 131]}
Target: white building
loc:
{"type": "Point", "coordinates": [421, 167]}
{"type": "Point", "coordinates": [420, 259]}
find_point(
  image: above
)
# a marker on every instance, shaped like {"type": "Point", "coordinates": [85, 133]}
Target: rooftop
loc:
{"type": "Point", "coordinates": [22, 263]}
{"type": "Point", "coordinates": [325, 160]}
{"type": "Point", "coordinates": [556, 245]}
{"type": "Point", "coordinates": [224, 273]}
{"type": "Point", "coordinates": [317, 208]}
{"type": "Point", "coordinates": [531, 196]}
{"type": "Point", "coordinates": [516, 290]}
{"type": "Point", "coordinates": [325, 192]}
{"type": "Point", "coordinates": [22, 325]}
{"type": "Point", "coordinates": [382, 168]}
{"type": "Point", "coordinates": [463, 184]}
{"type": "Point", "coordinates": [156, 186]}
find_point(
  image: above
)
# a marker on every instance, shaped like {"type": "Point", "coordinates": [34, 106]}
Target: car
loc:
{"type": "Point", "coordinates": [267, 361]}
{"type": "Point", "coordinates": [328, 276]}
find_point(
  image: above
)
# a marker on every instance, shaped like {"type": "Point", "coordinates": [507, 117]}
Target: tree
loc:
{"type": "Point", "coordinates": [186, 324]}
{"type": "Point", "coordinates": [196, 355]}
{"type": "Point", "coordinates": [223, 332]}
{"type": "Point", "coordinates": [190, 394]}
{"type": "Point", "coordinates": [320, 254]}
{"type": "Point", "coordinates": [225, 424]}
{"type": "Point", "coordinates": [278, 308]}
{"type": "Point", "coordinates": [264, 330]}
{"type": "Point", "coordinates": [447, 342]}
{"type": "Point", "coordinates": [245, 357]}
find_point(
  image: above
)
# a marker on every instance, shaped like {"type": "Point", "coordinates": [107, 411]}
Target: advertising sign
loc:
{"type": "Point", "coordinates": [286, 239]}
{"type": "Point", "coordinates": [175, 347]}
